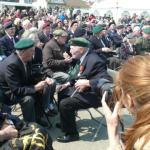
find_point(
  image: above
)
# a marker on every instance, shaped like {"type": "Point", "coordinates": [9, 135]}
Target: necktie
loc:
{"type": "Point", "coordinates": [103, 43]}
{"type": "Point", "coordinates": [25, 68]}
{"type": "Point", "coordinates": [12, 39]}
{"type": "Point", "coordinates": [73, 72]}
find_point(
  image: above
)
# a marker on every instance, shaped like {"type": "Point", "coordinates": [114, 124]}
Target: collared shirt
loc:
{"type": "Point", "coordinates": [24, 64]}
{"type": "Point", "coordinates": [82, 58]}
{"type": "Point", "coordinates": [103, 43]}
{"type": "Point", "coordinates": [11, 38]}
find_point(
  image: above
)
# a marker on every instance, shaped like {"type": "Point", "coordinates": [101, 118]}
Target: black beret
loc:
{"type": "Point", "coordinates": [121, 26]}
{"type": "Point", "coordinates": [79, 32]}
{"type": "Point", "coordinates": [73, 22]}
{"type": "Point", "coordinates": [42, 37]}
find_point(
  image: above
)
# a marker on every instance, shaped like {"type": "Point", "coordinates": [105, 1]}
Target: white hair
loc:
{"type": "Point", "coordinates": [17, 20]}
{"type": "Point", "coordinates": [136, 28]}
{"type": "Point", "coordinates": [33, 30]}
{"type": "Point", "coordinates": [25, 23]}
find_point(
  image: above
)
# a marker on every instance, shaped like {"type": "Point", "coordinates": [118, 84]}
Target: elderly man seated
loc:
{"type": "Point", "coordinates": [55, 59]}
{"type": "Point", "coordinates": [16, 87]}
{"type": "Point", "coordinates": [80, 92]}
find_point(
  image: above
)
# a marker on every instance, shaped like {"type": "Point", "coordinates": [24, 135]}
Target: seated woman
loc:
{"type": "Point", "coordinates": [19, 136]}
{"type": "Point", "coordinates": [133, 91]}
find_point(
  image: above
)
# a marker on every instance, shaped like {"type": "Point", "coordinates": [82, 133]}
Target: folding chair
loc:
{"type": "Point", "coordinates": [101, 123]}
{"type": "Point", "coordinates": [112, 73]}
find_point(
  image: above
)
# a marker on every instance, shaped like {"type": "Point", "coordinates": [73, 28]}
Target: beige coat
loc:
{"type": "Point", "coordinates": [53, 60]}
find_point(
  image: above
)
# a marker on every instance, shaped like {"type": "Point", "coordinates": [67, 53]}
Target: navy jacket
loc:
{"type": "Point", "coordinates": [94, 68]}
{"type": "Point", "coordinates": [6, 45]}
{"type": "Point", "coordinates": [13, 78]}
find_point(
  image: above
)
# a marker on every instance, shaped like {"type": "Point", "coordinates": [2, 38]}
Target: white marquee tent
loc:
{"type": "Point", "coordinates": [117, 8]}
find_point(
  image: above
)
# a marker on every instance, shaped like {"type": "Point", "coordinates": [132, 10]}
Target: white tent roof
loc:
{"type": "Point", "coordinates": [117, 7]}
{"type": "Point", "coordinates": [125, 4]}
{"type": "Point", "coordinates": [15, 4]}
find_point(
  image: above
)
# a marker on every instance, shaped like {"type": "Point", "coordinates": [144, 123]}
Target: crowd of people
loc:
{"type": "Point", "coordinates": [43, 52]}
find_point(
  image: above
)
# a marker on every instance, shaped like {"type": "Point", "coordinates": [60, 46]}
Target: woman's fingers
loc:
{"type": "Point", "coordinates": [105, 106]}
{"type": "Point", "coordinates": [116, 109]}
{"type": "Point", "coordinates": [103, 98]}
{"type": "Point", "coordinates": [107, 109]}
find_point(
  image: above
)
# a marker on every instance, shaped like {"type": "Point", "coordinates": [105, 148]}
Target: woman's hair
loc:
{"type": "Point", "coordinates": [134, 79]}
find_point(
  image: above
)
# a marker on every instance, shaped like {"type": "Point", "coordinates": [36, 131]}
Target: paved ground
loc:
{"type": "Point", "coordinates": [87, 129]}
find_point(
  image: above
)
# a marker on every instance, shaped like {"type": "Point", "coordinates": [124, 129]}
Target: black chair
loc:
{"type": "Point", "coordinates": [105, 85]}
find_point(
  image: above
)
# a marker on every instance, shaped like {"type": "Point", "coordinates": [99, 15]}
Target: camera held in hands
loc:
{"type": "Point", "coordinates": [106, 85]}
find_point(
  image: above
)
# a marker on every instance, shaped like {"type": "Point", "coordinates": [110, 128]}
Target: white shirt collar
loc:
{"type": "Point", "coordinates": [82, 58]}
{"type": "Point", "coordinates": [8, 35]}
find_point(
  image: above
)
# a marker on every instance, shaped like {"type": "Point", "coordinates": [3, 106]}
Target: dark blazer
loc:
{"type": "Point", "coordinates": [53, 60]}
{"type": "Point", "coordinates": [6, 45]}
{"type": "Point", "coordinates": [38, 56]}
{"type": "Point", "coordinates": [96, 46]}
{"type": "Point", "coordinates": [94, 68]}
{"type": "Point", "coordinates": [96, 43]}
{"type": "Point", "coordinates": [13, 78]}
{"type": "Point", "coordinates": [107, 41]}
{"type": "Point", "coordinates": [117, 40]}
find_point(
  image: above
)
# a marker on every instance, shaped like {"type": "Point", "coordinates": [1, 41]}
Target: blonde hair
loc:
{"type": "Point", "coordinates": [32, 33]}
{"type": "Point", "coordinates": [25, 24]}
{"type": "Point", "coordinates": [134, 79]}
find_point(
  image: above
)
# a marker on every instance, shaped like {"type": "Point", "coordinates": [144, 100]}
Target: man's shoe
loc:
{"type": "Point", "coordinates": [68, 138]}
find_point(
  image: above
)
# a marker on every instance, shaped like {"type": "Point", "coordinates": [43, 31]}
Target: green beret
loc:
{"type": "Point", "coordinates": [24, 44]}
{"type": "Point", "coordinates": [60, 32]}
{"type": "Point", "coordinates": [82, 42]}
{"type": "Point", "coordinates": [146, 30]}
{"type": "Point", "coordinates": [97, 29]}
